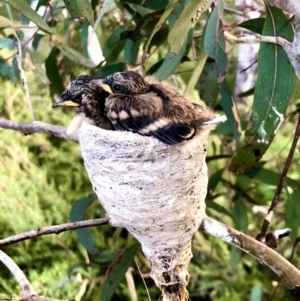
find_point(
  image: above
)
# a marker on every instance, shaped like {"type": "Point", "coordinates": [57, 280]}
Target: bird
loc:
{"type": "Point", "coordinates": [89, 98]}
{"type": "Point", "coordinates": [151, 108]}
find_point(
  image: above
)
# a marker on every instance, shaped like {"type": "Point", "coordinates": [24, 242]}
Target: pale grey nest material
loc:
{"type": "Point", "coordinates": [155, 191]}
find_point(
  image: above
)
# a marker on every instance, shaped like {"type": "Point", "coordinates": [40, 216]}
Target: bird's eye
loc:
{"type": "Point", "coordinates": [117, 88]}
{"type": "Point", "coordinates": [77, 98]}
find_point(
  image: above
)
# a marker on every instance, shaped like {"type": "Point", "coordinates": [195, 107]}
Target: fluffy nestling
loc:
{"type": "Point", "coordinates": [89, 98]}
{"type": "Point", "coordinates": [151, 108]}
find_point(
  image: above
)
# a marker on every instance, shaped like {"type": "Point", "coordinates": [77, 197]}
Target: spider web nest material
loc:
{"type": "Point", "coordinates": [155, 191]}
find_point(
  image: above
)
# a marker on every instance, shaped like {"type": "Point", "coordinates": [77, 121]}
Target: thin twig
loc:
{"type": "Point", "coordinates": [28, 290]}
{"type": "Point", "coordinates": [24, 82]}
{"type": "Point", "coordinates": [53, 230]}
{"type": "Point", "coordinates": [263, 231]}
{"type": "Point", "coordinates": [36, 127]}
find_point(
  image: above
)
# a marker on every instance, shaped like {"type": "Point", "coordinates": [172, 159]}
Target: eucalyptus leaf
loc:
{"type": "Point", "coordinates": [117, 273]}
{"type": "Point", "coordinates": [187, 20]}
{"type": "Point", "coordinates": [80, 8]}
{"type": "Point", "coordinates": [25, 9]}
{"type": "Point", "coordinates": [230, 110]}
{"type": "Point", "coordinates": [84, 235]}
{"type": "Point", "coordinates": [272, 93]}
{"type": "Point", "coordinates": [75, 56]}
{"type": "Point", "coordinates": [172, 61]}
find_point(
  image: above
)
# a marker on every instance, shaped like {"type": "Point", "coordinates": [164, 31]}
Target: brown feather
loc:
{"type": "Point", "coordinates": [149, 107]}
{"type": "Point", "coordinates": [90, 100]}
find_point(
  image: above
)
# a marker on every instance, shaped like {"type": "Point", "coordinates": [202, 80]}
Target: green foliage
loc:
{"type": "Point", "coordinates": [43, 180]}
{"type": "Point", "coordinates": [274, 82]}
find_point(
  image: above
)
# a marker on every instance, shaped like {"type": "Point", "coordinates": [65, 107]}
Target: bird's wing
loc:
{"type": "Point", "coordinates": [144, 114]}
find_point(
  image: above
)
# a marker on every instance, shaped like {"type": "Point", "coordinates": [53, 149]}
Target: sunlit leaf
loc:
{"type": "Point", "coordinates": [4, 22]}
{"type": "Point", "coordinates": [7, 43]}
{"type": "Point", "coordinates": [256, 293]}
{"type": "Point", "coordinates": [117, 272]}
{"type": "Point", "coordinates": [272, 93]}
{"type": "Point", "coordinates": [80, 8]}
{"type": "Point", "coordinates": [187, 20]}
{"type": "Point", "coordinates": [25, 9]}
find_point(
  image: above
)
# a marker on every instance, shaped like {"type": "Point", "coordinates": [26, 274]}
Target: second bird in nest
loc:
{"type": "Point", "coordinates": [126, 101]}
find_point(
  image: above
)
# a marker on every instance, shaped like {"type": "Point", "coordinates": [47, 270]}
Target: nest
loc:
{"type": "Point", "coordinates": [155, 191]}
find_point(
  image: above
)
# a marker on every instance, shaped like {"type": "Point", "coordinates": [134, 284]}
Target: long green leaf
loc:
{"type": "Point", "coordinates": [75, 56]}
{"type": "Point", "coordinates": [84, 235]}
{"type": "Point", "coordinates": [159, 24]}
{"type": "Point", "coordinates": [117, 273]}
{"type": "Point", "coordinates": [230, 110]}
{"type": "Point", "coordinates": [256, 25]}
{"type": "Point", "coordinates": [187, 20]}
{"type": "Point", "coordinates": [214, 40]}
{"type": "Point", "coordinates": [172, 60]}
{"type": "Point", "coordinates": [80, 8]}
{"type": "Point", "coordinates": [271, 96]}
{"type": "Point", "coordinates": [105, 7]}
{"type": "Point", "coordinates": [25, 9]}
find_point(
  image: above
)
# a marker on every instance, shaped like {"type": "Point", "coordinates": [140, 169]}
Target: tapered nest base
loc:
{"type": "Point", "coordinates": [155, 191]}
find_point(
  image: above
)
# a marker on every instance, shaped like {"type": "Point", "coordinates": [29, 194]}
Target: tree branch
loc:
{"type": "Point", "coordinates": [278, 264]}
{"type": "Point", "coordinates": [53, 229]}
{"type": "Point", "coordinates": [36, 127]}
{"type": "Point", "coordinates": [28, 290]}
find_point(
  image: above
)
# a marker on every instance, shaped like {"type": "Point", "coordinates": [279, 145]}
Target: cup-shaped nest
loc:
{"type": "Point", "coordinates": [155, 191]}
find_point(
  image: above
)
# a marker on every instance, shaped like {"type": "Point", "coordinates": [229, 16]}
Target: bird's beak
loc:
{"type": "Point", "coordinates": [66, 103]}
{"type": "Point", "coordinates": [104, 86]}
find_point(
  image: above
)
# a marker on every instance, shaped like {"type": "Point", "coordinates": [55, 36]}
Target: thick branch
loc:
{"type": "Point", "coordinates": [278, 264]}
{"type": "Point", "coordinates": [53, 229]}
{"type": "Point", "coordinates": [36, 127]}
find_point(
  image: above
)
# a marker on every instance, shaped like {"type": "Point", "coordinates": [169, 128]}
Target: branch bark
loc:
{"type": "Point", "coordinates": [276, 262]}
{"type": "Point", "coordinates": [53, 230]}
{"type": "Point", "coordinates": [28, 290]}
{"type": "Point", "coordinates": [36, 127]}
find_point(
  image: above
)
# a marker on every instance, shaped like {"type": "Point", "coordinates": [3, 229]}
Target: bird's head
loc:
{"type": "Point", "coordinates": [73, 96]}
{"type": "Point", "coordinates": [126, 83]}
